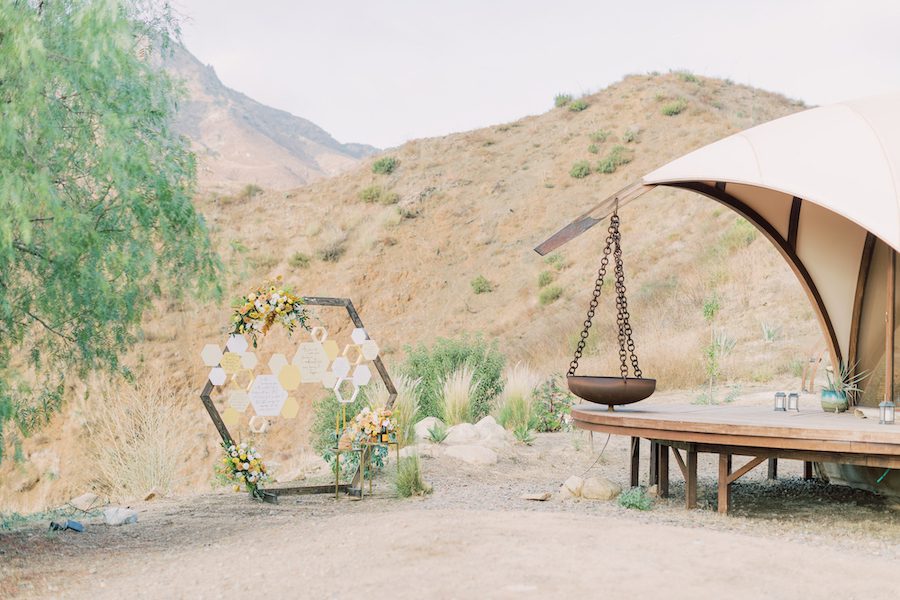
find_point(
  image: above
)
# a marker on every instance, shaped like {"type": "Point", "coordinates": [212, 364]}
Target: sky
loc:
{"type": "Point", "coordinates": [386, 72]}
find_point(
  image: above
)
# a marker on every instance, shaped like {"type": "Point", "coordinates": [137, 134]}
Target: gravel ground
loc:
{"type": "Point", "coordinates": [182, 546]}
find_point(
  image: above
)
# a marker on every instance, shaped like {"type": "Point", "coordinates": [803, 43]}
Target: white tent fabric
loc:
{"type": "Point", "coordinates": [844, 157]}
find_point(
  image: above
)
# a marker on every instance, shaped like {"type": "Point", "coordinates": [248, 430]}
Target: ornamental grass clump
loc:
{"type": "Point", "coordinates": [457, 396]}
{"type": "Point", "coordinates": [514, 405]}
{"type": "Point", "coordinates": [409, 480]}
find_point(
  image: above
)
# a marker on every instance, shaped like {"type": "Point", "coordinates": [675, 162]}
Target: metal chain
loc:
{"type": "Point", "coordinates": [626, 343]}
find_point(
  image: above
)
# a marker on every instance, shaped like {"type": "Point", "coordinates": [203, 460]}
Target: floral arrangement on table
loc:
{"type": "Point", "coordinates": [373, 425]}
{"type": "Point", "coordinates": [242, 465]}
{"type": "Point", "coordinates": [265, 306]}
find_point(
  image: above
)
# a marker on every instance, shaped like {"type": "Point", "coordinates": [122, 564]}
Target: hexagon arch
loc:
{"type": "Point", "coordinates": [268, 393]}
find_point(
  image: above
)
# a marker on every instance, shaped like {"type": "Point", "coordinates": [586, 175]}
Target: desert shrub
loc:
{"type": "Point", "coordinates": [409, 479]}
{"type": "Point", "coordinates": [580, 170]}
{"type": "Point", "coordinates": [480, 285]}
{"type": "Point", "coordinates": [636, 499]}
{"type": "Point", "coordinates": [617, 157]}
{"type": "Point", "coordinates": [514, 403]}
{"type": "Point", "coordinates": [332, 251]}
{"type": "Point", "coordinates": [545, 278]}
{"type": "Point", "coordinates": [385, 165]}
{"type": "Point", "coordinates": [438, 433]}
{"type": "Point", "coordinates": [593, 148]}
{"type": "Point", "coordinates": [447, 355]}
{"type": "Point", "coordinates": [600, 135]}
{"type": "Point", "coordinates": [556, 260]}
{"type": "Point", "coordinates": [550, 294]}
{"type": "Point", "coordinates": [388, 198]}
{"type": "Point", "coordinates": [135, 440]}
{"type": "Point", "coordinates": [551, 405]}
{"type": "Point", "coordinates": [687, 76]}
{"type": "Point", "coordinates": [456, 396]}
{"type": "Point", "coordinates": [250, 191]}
{"type": "Point", "coordinates": [561, 100]}
{"type": "Point", "coordinates": [371, 193]}
{"type": "Point", "coordinates": [676, 107]}
{"type": "Point", "coordinates": [578, 105]}
{"type": "Point", "coordinates": [739, 235]}
{"type": "Point", "coordinates": [629, 136]}
{"type": "Point", "coordinates": [524, 435]}
{"type": "Point", "coordinates": [262, 262]}
{"type": "Point", "coordinates": [770, 331]}
{"type": "Point", "coordinates": [299, 260]}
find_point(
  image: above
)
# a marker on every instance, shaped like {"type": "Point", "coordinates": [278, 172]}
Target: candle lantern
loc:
{"type": "Point", "coordinates": [886, 413]}
{"type": "Point", "coordinates": [793, 401]}
{"type": "Point", "coordinates": [780, 401]}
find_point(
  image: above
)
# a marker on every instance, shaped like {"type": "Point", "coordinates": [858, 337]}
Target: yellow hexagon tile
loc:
{"type": "Point", "coordinates": [231, 362]}
{"type": "Point", "coordinates": [289, 377]}
{"type": "Point", "coordinates": [211, 355]}
{"type": "Point", "coordinates": [369, 349]}
{"type": "Point", "coordinates": [290, 409]}
{"type": "Point", "coordinates": [353, 353]}
{"type": "Point", "coordinates": [231, 417]}
{"type": "Point", "coordinates": [249, 360]}
{"type": "Point", "coordinates": [238, 400]}
{"type": "Point", "coordinates": [331, 349]}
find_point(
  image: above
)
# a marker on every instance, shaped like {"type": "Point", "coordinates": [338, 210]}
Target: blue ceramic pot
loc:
{"type": "Point", "coordinates": [835, 402]}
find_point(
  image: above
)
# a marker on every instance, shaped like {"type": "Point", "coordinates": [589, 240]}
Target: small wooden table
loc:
{"type": "Point", "coordinates": [757, 432]}
{"type": "Point", "coordinates": [365, 461]}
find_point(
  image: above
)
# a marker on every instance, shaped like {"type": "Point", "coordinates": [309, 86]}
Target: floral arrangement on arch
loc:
{"type": "Point", "coordinates": [242, 466]}
{"type": "Point", "coordinates": [267, 305]}
{"type": "Point", "coordinates": [373, 425]}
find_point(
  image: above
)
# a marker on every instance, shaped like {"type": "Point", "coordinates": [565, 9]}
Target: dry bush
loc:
{"type": "Point", "coordinates": [515, 402]}
{"type": "Point", "coordinates": [137, 438]}
{"type": "Point", "coordinates": [456, 396]}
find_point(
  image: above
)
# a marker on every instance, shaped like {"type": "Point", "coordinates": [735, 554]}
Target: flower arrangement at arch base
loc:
{"type": "Point", "coordinates": [243, 467]}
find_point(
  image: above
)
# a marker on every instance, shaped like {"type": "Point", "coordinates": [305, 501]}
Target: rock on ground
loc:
{"type": "Point", "coordinates": [424, 425]}
{"type": "Point", "coordinates": [600, 488]}
{"type": "Point", "coordinates": [116, 515]}
{"type": "Point", "coordinates": [464, 433]}
{"type": "Point", "coordinates": [573, 485]}
{"type": "Point", "coordinates": [85, 502]}
{"type": "Point", "coordinates": [426, 450]}
{"type": "Point", "coordinates": [474, 455]}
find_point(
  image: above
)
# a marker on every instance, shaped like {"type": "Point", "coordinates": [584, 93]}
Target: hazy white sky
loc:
{"type": "Point", "coordinates": [386, 72]}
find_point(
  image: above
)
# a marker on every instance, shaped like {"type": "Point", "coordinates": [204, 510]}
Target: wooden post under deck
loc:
{"type": "Point", "coordinates": [662, 466]}
{"type": "Point", "coordinates": [724, 483]}
{"type": "Point", "coordinates": [654, 463]}
{"type": "Point", "coordinates": [889, 328]}
{"type": "Point", "coordinates": [690, 482]}
{"type": "Point", "coordinates": [773, 468]}
{"type": "Point", "coordinates": [635, 461]}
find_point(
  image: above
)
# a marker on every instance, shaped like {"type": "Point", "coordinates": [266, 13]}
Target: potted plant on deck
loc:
{"type": "Point", "coordinates": [838, 389]}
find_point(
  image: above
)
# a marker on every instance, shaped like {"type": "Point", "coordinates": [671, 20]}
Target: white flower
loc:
{"type": "Point", "coordinates": [246, 466]}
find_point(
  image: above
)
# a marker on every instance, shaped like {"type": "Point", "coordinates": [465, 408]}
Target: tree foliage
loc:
{"type": "Point", "coordinates": [96, 217]}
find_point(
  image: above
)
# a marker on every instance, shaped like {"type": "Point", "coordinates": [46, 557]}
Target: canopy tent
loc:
{"type": "Point", "coordinates": [823, 186]}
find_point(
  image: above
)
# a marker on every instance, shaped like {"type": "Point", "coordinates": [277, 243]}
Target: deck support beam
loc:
{"type": "Point", "coordinates": [635, 461]}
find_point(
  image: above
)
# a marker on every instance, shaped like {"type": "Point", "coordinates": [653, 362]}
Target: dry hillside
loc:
{"type": "Point", "coordinates": [474, 204]}
{"type": "Point", "coordinates": [239, 141]}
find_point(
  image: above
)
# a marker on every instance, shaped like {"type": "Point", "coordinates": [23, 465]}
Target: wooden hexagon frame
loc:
{"type": "Point", "coordinates": [354, 488]}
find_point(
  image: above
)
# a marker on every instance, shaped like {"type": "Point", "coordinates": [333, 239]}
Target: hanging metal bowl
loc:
{"type": "Point", "coordinates": [611, 391]}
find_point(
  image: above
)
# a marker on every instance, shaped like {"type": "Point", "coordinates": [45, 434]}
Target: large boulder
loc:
{"type": "Point", "coordinates": [423, 426]}
{"type": "Point", "coordinates": [425, 450]}
{"type": "Point", "coordinates": [473, 455]}
{"type": "Point", "coordinates": [573, 485]}
{"type": "Point", "coordinates": [491, 433]}
{"type": "Point", "coordinates": [116, 515]}
{"type": "Point", "coordinates": [600, 488]}
{"type": "Point", "coordinates": [462, 434]}
{"type": "Point", "coordinates": [85, 502]}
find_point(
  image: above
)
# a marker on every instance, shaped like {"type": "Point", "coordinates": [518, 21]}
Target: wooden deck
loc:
{"type": "Point", "coordinates": [757, 432]}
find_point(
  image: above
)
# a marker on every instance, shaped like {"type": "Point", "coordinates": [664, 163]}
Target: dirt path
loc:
{"type": "Point", "coordinates": [475, 537]}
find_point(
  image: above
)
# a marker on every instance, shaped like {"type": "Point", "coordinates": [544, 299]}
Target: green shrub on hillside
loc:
{"type": "Point", "coordinates": [674, 108]}
{"type": "Point", "coordinates": [578, 105]}
{"type": "Point", "coordinates": [593, 148]}
{"type": "Point", "coordinates": [550, 294]}
{"type": "Point", "coordinates": [385, 165]}
{"type": "Point", "coordinates": [580, 170]}
{"type": "Point", "coordinates": [370, 194]}
{"type": "Point", "coordinates": [600, 135]}
{"type": "Point", "coordinates": [250, 190]}
{"type": "Point", "coordinates": [545, 278]}
{"type": "Point", "coordinates": [480, 285]}
{"type": "Point", "coordinates": [331, 252]}
{"type": "Point", "coordinates": [741, 234]}
{"type": "Point", "coordinates": [617, 157]}
{"type": "Point", "coordinates": [299, 260]}
{"type": "Point", "coordinates": [561, 100]}
{"type": "Point", "coordinates": [433, 365]}
{"type": "Point", "coordinates": [687, 76]}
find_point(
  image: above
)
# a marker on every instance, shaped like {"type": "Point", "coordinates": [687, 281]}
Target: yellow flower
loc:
{"type": "Point", "coordinates": [236, 488]}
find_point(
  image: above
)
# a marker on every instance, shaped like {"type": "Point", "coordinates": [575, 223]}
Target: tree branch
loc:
{"type": "Point", "coordinates": [49, 328]}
